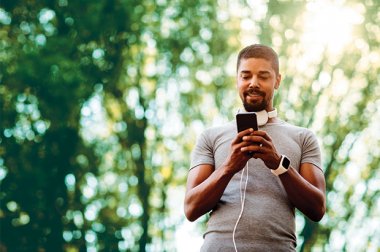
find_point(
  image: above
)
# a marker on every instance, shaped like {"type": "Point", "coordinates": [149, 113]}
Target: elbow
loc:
{"type": "Point", "coordinates": [317, 215]}
{"type": "Point", "coordinates": [190, 213]}
{"type": "Point", "coordinates": [190, 217]}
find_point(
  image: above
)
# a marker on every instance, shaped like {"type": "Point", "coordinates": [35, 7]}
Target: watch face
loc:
{"type": "Point", "coordinates": [285, 162]}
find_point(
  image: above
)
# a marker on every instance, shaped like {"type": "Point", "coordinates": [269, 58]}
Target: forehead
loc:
{"type": "Point", "coordinates": [255, 65]}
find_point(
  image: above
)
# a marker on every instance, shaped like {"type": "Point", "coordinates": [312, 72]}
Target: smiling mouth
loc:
{"type": "Point", "coordinates": [254, 93]}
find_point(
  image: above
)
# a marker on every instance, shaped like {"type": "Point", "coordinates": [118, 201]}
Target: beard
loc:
{"type": "Point", "coordinates": [254, 107]}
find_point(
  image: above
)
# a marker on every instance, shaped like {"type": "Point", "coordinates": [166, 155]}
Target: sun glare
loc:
{"type": "Point", "coordinates": [330, 25]}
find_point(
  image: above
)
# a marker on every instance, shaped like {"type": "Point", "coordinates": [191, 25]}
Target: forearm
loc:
{"type": "Point", "coordinates": [203, 197]}
{"type": "Point", "coordinates": [206, 185]}
{"type": "Point", "coordinates": [306, 197]}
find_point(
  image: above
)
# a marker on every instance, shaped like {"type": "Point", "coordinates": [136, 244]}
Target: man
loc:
{"type": "Point", "coordinates": [252, 181]}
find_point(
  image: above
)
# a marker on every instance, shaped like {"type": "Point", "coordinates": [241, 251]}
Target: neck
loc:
{"type": "Point", "coordinates": [271, 113]}
{"type": "Point", "coordinates": [263, 116]}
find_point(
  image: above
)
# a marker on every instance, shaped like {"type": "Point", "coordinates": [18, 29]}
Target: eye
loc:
{"type": "Point", "coordinates": [245, 77]}
{"type": "Point", "coordinates": [263, 77]}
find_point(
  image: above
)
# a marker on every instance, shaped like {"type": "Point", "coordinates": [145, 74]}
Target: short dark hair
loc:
{"type": "Point", "coordinates": [261, 52]}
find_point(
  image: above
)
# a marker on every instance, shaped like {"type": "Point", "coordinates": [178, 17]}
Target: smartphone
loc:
{"type": "Point", "coordinates": [246, 120]}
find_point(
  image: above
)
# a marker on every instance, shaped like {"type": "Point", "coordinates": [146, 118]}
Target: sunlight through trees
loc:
{"type": "Point", "coordinates": [101, 103]}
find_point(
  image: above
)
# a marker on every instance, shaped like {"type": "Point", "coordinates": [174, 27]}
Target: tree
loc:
{"type": "Point", "coordinates": [65, 187]}
{"type": "Point", "coordinates": [101, 103]}
{"type": "Point", "coordinates": [330, 86]}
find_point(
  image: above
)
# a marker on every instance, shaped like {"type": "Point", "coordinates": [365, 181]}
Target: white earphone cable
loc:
{"type": "Point", "coordinates": [242, 200]}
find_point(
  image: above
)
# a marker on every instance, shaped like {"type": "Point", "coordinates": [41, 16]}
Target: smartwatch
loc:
{"type": "Point", "coordinates": [283, 167]}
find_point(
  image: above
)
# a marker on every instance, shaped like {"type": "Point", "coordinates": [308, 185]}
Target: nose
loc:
{"type": "Point", "coordinates": [254, 82]}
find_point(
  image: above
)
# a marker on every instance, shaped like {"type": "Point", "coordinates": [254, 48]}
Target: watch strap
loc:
{"type": "Point", "coordinates": [281, 169]}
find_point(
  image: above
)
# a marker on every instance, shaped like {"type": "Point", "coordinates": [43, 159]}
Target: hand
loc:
{"type": "Point", "coordinates": [237, 158]}
{"type": "Point", "coordinates": [261, 145]}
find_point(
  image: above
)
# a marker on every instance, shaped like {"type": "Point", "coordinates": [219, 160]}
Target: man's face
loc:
{"type": "Point", "coordinates": [256, 82]}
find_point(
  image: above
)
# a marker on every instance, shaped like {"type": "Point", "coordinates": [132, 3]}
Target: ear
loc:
{"type": "Point", "coordinates": [278, 81]}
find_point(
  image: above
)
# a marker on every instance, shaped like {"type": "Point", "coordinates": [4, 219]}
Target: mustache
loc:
{"type": "Point", "coordinates": [253, 91]}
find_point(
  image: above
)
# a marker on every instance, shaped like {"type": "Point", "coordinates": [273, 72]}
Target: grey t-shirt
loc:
{"type": "Point", "coordinates": [268, 222]}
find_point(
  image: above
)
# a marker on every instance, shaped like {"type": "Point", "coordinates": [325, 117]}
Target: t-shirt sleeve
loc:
{"type": "Point", "coordinates": [202, 152]}
{"type": "Point", "coordinates": [311, 151]}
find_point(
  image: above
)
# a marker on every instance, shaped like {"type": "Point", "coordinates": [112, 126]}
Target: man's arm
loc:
{"type": "Point", "coordinates": [306, 189]}
{"type": "Point", "coordinates": [205, 184]}
{"type": "Point", "coordinates": [204, 189]}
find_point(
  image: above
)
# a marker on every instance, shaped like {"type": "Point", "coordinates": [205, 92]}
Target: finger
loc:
{"type": "Point", "coordinates": [252, 148]}
{"type": "Point", "coordinates": [258, 140]}
{"type": "Point", "coordinates": [242, 144]}
{"type": "Point", "coordinates": [240, 135]}
{"type": "Point", "coordinates": [252, 138]}
{"type": "Point", "coordinates": [262, 134]}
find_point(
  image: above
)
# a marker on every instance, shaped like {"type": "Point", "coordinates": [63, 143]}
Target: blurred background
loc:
{"type": "Point", "coordinates": [101, 103]}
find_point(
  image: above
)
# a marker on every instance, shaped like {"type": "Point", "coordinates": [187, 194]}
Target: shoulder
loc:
{"type": "Point", "coordinates": [294, 129]}
{"type": "Point", "coordinates": [303, 136]}
{"type": "Point", "coordinates": [306, 137]}
{"type": "Point", "coordinates": [212, 134]}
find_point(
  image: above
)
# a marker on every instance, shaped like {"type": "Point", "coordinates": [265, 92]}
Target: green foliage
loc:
{"type": "Point", "coordinates": [331, 87]}
{"type": "Point", "coordinates": [67, 184]}
{"type": "Point", "coordinates": [101, 102]}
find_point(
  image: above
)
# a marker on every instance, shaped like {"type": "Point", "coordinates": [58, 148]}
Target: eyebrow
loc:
{"type": "Point", "coordinates": [264, 72]}
{"type": "Point", "coordinates": [249, 72]}
{"type": "Point", "coordinates": [245, 72]}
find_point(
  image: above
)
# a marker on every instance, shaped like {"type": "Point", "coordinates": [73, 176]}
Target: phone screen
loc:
{"type": "Point", "coordinates": [246, 120]}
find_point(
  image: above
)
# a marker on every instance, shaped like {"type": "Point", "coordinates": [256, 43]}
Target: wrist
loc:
{"type": "Point", "coordinates": [228, 170]}
{"type": "Point", "coordinates": [283, 166]}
